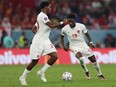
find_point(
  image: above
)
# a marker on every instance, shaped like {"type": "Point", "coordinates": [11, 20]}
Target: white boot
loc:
{"type": "Point", "coordinates": [23, 81]}
{"type": "Point", "coordinates": [41, 75]}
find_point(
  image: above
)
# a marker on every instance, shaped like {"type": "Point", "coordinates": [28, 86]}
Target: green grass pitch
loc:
{"type": "Point", "coordinates": [9, 76]}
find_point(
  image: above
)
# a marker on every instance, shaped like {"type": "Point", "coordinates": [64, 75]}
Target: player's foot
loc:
{"type": "Point", "coordinates": [23, 81]}
{"type": "Point", "coordinates": [42, 76]}
{"type": "Point", "coordinates": [102, 77]}
{"type": "Point", "coordinates": [87, 75]}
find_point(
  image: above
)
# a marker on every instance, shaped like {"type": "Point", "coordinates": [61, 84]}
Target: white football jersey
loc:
{"type": "Point", "coordinates": [43, 30]}
{"type": "Point", "coordinates": [75, 35]}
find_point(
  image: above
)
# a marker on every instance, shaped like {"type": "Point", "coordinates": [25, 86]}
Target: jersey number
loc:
{"type": "Point", "coordinates": [74, 35]}
{"type": "Point", "coordinates": [52, 46]}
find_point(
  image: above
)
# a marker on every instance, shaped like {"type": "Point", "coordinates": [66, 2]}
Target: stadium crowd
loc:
{"type": "Point", "coordinates": [95, 14]}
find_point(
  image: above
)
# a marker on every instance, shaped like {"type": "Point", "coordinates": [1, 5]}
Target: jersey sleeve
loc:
{"type": "Point", "coordinates": [84, 29]}
{"type": "Point", "coordinates": [36, 24]}
{"type": "Point", "coordinates": [62, 32]}
{"type": "Point", "coordinates": [44, 18]}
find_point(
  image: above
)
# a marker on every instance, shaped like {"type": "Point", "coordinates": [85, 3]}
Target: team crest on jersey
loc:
{"type": "Point", "coordinates": [45, 18]}
{"type": "Point", "coordinates": [78, 31]}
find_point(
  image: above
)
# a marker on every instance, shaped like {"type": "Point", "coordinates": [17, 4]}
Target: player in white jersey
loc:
{"type": "Point", "coordinates": [75, 33]}
{"type": "Point", "coordinates": [41, 44]}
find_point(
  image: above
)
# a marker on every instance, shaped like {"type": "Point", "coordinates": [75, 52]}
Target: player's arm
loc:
{"type": "Point", "coordinates": [91, 45]}
{"type": "Point", "coordinates": [34, 29]}
{"type": "Point", "coordinates": [90, 41]}
{"type": "Point", "coordinates": [66, 48]}
{"type": "Point", "coordinates": [53, 25]}
{"type": "Point", "coordinates": [88, 37]}
{"type": "Point", "coordinates": [49, 23]}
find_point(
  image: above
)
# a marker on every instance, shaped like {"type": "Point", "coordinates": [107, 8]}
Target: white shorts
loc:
{"type": "Point", "coordinates": [43, 48]}
{"type": "Point", "coordinates": [85, 50]}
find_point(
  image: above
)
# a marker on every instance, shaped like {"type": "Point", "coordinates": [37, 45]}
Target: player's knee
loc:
{"type": "Point", "coordinates": [78, 55]}
{"type": "Point", "coordinates": [34, 61]}
{"type": "Point", "coordinates": [92, 59]}
{"type": "Point", "coordinates": [54, 57]}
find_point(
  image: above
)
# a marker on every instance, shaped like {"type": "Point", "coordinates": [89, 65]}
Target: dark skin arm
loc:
{"type": "Point", "coordinates": [34, 29]}
{"type": "Point", "coordinates": [66, 48]}
{"type": "Point", "coordinates": [50, 24]}
{"type": "Point", "coordinates": [53, 25]}
{"type": "Point", "coordinates": [91, 45]}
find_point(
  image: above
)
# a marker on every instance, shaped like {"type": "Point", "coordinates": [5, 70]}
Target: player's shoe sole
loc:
{"type": "Point", "coordinates": [42, 76]}
{"type": "Point", "coordinates": [23, 81]}
{"type": "Point", "coordinates": [102, 77]}
{"type": "Point", "coordinates": [87, 75]}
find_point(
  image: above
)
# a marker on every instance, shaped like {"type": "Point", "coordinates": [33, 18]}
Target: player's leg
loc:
{"type": "Point", "coordinates": [50, 62]}
{"type": "Point", "coordinates": [97, 66]}
{"type": "Point", "coordinates": [53, 58]}
{"type": "Point", "coordinates": [34, 54]}
{"type": "Point", "coordinates": [81, 59]}
{"type": "Point", "coordinates": [26, 71]}
{"type": "Point", "coordinates": [50, 50]}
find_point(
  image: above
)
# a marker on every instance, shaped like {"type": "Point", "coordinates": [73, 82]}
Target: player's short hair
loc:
{"type": "Point", "coordinates": [43, 4]}
{"type": "Point", "coordinates": [72, 16]}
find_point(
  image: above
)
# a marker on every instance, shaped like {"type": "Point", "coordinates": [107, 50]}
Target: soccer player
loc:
{"type": "Point", "coordinates": [41, 44]}
{"type": "Point", "coordinates": [75, 33]}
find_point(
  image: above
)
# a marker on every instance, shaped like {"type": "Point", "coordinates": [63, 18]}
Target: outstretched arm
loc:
{"type": "Point", "coordinates": [90, 41]}
{"type": "Point", "coordinates": [53, 25]}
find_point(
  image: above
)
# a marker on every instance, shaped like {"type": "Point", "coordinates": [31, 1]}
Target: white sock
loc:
{"type": "Point", "coordinates": [24, 75]}
{"type": "Point", "coordinates": [97, 67]}
{"type": "Point", "coordinates": [45, 67]}
{"type": "Point", "coordinates": [83, 64]}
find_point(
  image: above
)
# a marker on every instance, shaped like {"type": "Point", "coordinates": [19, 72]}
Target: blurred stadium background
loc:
{"type": "Point", "coordinates": [17, 18]}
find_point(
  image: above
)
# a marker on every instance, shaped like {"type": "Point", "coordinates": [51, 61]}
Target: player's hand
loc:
{"type": "Point", "coordinates": [66, 48]}
{"type": "Point", "coordinates": [91, 45]}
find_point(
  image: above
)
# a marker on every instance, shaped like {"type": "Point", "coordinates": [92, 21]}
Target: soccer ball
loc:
{"type": "Point", "coordinates": [67, 76]}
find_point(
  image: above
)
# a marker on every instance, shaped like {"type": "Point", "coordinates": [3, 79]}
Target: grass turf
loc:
{"type": "Point", "coordinates": [9, 76]}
